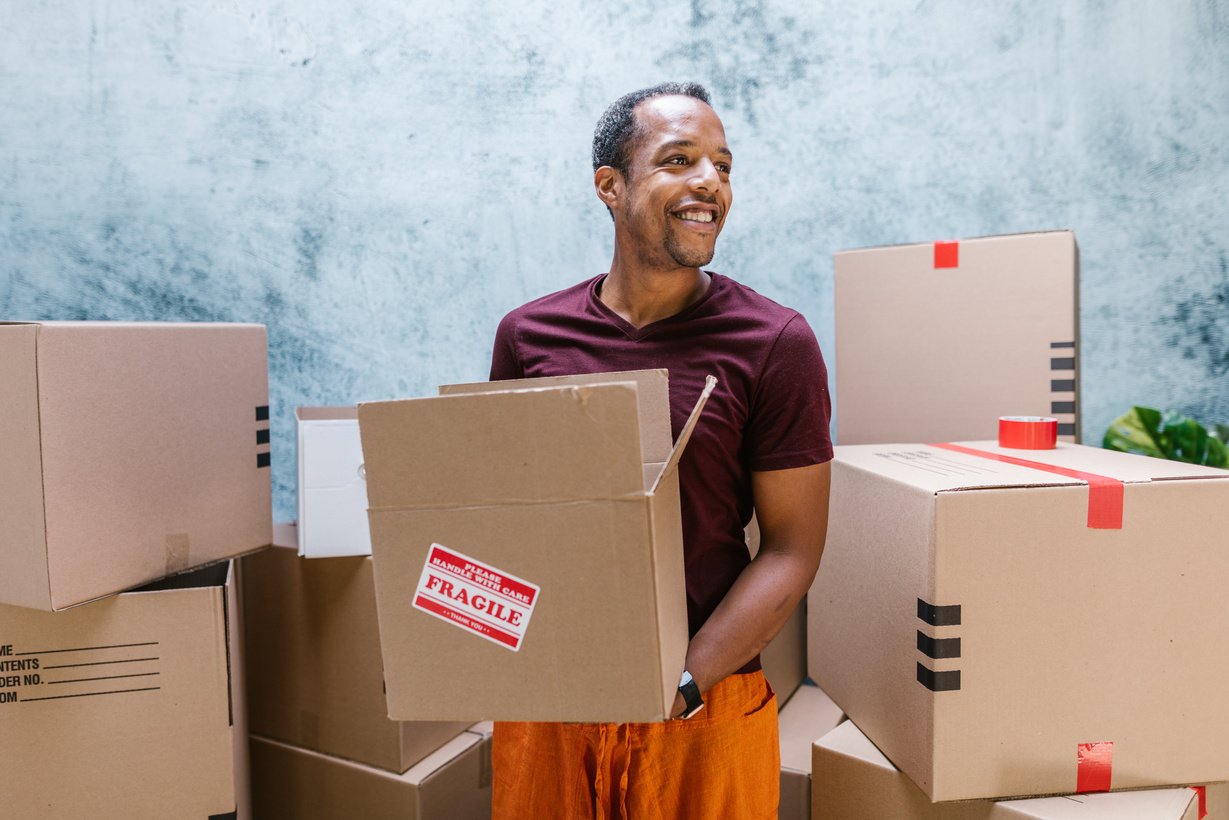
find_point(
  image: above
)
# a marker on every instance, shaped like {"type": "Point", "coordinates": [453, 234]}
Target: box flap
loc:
{"type": "Point", "coordinates": [325, 413]}
{"type": "Point", "coordinates": [710, 383]}
{"type": "Point", "coordinates": [653, 388]}
{"type": "Point", "coordinates": [553, 444]}
{"type": "Point", "coordinates": [986, 238]}
{"type": "Point", "coordinates": [847, 740]}
{"type": "Point", "coordinates": [939, 470]}
{"type": "Point", "coordinates": [809, 715]}
{"type": "Point", "coordinates": [23, 536]}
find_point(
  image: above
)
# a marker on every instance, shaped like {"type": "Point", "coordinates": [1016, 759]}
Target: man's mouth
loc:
{"type": "Point", "coordinates": [695, 216]}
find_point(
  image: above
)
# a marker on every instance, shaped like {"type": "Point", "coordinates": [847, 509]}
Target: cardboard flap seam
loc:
{"type": "Point", "coordinates": [42, 472]}
{"type": "Point", "coordinates": [513, 502]}
{"type": "Point", "coordinates": [710, 384]}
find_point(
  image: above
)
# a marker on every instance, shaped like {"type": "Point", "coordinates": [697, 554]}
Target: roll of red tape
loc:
{"type": "Point", "coordinates": [1028, 432]}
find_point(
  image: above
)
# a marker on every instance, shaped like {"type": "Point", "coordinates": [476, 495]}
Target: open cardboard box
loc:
{"type": "Point", "coordinates": [528, 549]}
{"type": "Point", "coordinates": [128, 453]}
{"type": "Point", "coordinates": [1019, 622]}
{"type": "Point", "coordinates": [132, 706]}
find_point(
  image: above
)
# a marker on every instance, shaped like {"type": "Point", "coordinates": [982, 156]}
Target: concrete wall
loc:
{"type": "Point", "coordinates": [379, 182]}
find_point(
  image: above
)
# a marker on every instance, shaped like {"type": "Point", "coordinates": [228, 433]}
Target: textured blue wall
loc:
{"type": "Point", "coordinates": [379, 182]}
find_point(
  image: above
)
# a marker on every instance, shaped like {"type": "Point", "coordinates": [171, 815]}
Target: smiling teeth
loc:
{"type": "Point", "coordinates": [696, 216]}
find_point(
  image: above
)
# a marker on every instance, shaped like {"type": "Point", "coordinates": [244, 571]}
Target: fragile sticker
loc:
{"type": "Point", "coordinates": [476, 597]}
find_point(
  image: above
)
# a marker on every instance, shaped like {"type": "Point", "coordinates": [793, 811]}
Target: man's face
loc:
{"type": "Point", "coordinates": [677, 189]}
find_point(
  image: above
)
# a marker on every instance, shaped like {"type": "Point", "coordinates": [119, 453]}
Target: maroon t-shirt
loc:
{"type": "Point", "coordinates": [770, 410]}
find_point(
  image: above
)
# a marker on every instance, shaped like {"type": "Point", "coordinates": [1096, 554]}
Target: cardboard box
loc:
{"type": "Point", "coordinates": [809, 716]}
{"type": "Point", "coordinates": [552, 504]}
{"type": "Point", "coordinates": [935, 341]}
{"type": "Point", "coordinates": [332, 484]}
{"type": "Point", "coordinates": [452, 783]}
{"type": "Point", "coordinates": [315, 675]}
{"type": "Point", "coordinates": [127, 707]}
{"type": "Point", "coordinates": [131, 452]}
{"type": "Point", "coordinates": [853, 780]}
{"type": "Point", "coordinates": [991, 626]}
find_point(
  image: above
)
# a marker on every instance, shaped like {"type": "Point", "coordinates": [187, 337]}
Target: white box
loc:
{"type": "Point", "coordinates": [332, 484]}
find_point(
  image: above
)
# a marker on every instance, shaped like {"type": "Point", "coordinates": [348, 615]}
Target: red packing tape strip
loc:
{"type": "Point", "coordinates": [1105, 494]}
{"type": "Point", "coordinates": [1094, 767]}
{"type": "Point", "coordinates": [1202, 791]}
{"type": "Point", "coordinates": [947, 254]}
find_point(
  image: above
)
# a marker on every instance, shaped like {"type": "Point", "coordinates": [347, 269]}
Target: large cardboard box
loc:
{"type": "Point", "coordinates": [315, 675]}
{"type": "Point", "coordinates": [332, 484]}
{"type": "Point", "coordinates": [935, 341]}
{"type": "Point", "coordinates": [528, 549]}
{"type": "Point", "coordinates": [808, 716]}
{"type": "Point", "coordinates": [1009, 622]}
{"type": "Point", "coordinates": [127, 707]}
{"type": "Point", "coordinates": [452, 783]}
{"type": "Point", "coordinates": [853, 781]}
{"type": "Point", "coordinates": [130, 452]}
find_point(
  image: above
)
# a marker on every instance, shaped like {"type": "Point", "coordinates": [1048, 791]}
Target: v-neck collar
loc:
{"type": "Point", "coordinates": [637, 334]}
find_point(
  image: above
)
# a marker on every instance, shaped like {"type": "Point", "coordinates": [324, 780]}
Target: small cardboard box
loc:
{"type": "Point", "coordinates": [935, 341]}
{"type": "Point", "coordinates": [332, 484]}
{"type": "Point", "coordinates": [853, 780]}
{"type": "Point", "coordinates": [528, 549]}
{"type": "Point", "coordinates": [452, 783]}
{"type": "Point", "coordinates": [1018, 622]}
{"type": "Point", "coordinates": [127, 707]}
{"type": "Point", "coordinates": [315, 676]}
{"type": "Point", "coordinates": [808, 716]}
{"type": "Point", "coordinates": [130, 452]}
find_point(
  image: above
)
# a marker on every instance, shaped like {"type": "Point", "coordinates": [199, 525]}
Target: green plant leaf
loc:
{"type": "Point", "coordinates": [1136, 431]}
{"type": "Point", "coordinates": [1147, 431]}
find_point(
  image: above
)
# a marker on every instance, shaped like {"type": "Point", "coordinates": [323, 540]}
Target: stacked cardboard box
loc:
{"type": "Point", "coordinates": [132, 454]}
{"type": "Point", "coordinates": [322, 743]}
{"type": "Point", "coordinates": [935, 341]}
{"type": "Point", "coordinates": [1003, 623]}
{"type": "Point", "coordinates": [810, 714]}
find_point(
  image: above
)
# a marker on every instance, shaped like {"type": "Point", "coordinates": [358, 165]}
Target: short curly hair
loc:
{"type": "Point", "coordinates": [616, 129]}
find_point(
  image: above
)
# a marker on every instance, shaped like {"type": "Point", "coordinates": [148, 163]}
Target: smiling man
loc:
{"type": "Point", "coordinates": [662, 168]}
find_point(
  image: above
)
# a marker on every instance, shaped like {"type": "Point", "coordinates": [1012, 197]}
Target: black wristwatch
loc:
{"type": "Point", "coordinates": [691, 696]}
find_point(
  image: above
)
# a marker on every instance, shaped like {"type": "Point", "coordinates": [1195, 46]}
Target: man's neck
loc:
{"type": "Point", "coordinates": [642, 296]}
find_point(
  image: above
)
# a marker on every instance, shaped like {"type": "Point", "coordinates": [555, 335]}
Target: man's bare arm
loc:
{"type": "Point", "coordinates": [792, 509]}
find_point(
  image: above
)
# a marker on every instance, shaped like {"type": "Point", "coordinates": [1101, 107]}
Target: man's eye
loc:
{"type": "Point", "coordinates": [723, 168]}
{"type": "Point", "coordinates": [677, 161]}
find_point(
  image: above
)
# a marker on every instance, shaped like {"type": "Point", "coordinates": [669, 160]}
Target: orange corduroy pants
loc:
{"type": "Point", "coordinates": [722, 763]}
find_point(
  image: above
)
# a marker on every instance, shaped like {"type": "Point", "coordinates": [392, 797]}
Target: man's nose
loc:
{"type": "Point", "coordinates": [706, 176]}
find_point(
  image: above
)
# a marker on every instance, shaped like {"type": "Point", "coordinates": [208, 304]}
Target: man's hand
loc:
{"type": "Point", "coordinates": [792, 509]}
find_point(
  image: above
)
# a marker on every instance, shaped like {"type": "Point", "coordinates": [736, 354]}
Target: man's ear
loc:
{"type": "Point", "coordinates": [608, 183]}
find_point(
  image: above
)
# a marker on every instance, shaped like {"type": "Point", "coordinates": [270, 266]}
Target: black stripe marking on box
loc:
{"type": "Point", "coordinates": [1062, 407]}
{"type": "Point", "coordinates": [262, 412]}
{"type": "Point", "coordinates": [938, 681]}
{"type": "Point", "coordinates": [938, 615]}
{"type": "Point", "coordinates": [938, 647]}
{"type": "Point", "coordinates": [262, 460]}
{"type": "Point", "coordinates": [1062, 385]}
{"type": "Point", "coordinates": [1057, 345]}
{"type": "Point", "coordinates": [262, 436]}
{"type": "Point", "coordinates": [230, 815]}
{"type": "Point", "coordinates": [1062, 364]}
{"type": "Point", "coordinates": [1066, 429]}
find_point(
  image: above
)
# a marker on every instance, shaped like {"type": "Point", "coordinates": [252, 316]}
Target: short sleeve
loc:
{"type": "Point", "coordinates": [791, 409]}
{"type": "Point", "coordinates": [505, 364]}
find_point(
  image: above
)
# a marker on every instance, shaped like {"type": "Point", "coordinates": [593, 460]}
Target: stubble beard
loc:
{"type": "Point", "coordinates": [674, 248]}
